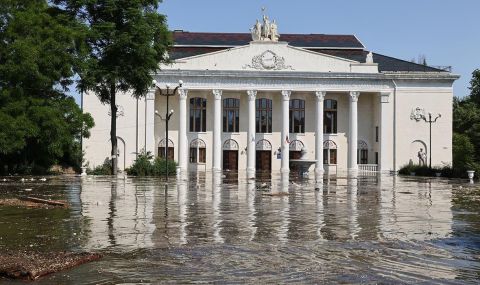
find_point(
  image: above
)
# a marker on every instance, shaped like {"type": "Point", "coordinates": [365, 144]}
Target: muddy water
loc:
{"type": "Point", "coordinates": [229, 230]}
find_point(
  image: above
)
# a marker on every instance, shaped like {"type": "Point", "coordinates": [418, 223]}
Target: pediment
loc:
{"type": "Point", "coordinates": [270, 56]}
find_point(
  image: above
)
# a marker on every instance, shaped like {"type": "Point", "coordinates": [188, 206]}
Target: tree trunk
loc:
{"type": "Point", "coordinates": [113, 129]}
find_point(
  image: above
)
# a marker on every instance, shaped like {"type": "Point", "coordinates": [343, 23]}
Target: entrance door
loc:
{"type": "Point", "coordinates": [264, 161]}
{"type": "Point", "coordinates": [230, 160]}
{"type": "Point", "coordinates": [294, 154]}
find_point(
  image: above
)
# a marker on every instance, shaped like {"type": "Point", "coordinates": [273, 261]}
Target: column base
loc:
{"type": "Point", "coordinates": [181, 172]}
{"type": "Point", "coordinates": [353, 172]}
{"type": "Point", "coordinates": [319, 171]}
{"type": "Point", "coordinates": [250, 173]}
{"type": "Point", "coordinates": [285, 170]}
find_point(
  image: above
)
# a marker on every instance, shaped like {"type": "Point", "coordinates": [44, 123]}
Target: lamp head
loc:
{"type": "Point", "coordinates": [168, 86]}
{"type": "Point", "coordinates": [180, 83]}
{"type": "Point", "coordinates": [154, 82]}
{"type": "Point", "coordinates": [156, 112]}
{"type": "Point", "coordinates": [171, 112]}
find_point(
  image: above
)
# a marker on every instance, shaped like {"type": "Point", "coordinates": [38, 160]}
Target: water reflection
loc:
{"type": "Point", "coordinates": [386, 229]}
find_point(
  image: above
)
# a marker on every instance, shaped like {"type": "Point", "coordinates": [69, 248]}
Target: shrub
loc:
{"type": "Point", "coordinates": [104, 169]}
{"type": "Point", "coordinates": [143, 166]}
{"type": "Point", "coordinates": [160, 169]}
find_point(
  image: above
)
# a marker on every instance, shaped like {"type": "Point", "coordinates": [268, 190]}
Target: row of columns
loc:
{"type": "Point", "coordinates": [285, 146]}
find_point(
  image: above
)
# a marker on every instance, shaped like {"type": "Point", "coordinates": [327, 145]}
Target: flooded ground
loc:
{"type": "Point", "coordinates": [229, 230]}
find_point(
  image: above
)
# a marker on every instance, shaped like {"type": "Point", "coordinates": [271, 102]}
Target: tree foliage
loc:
{"type": "Point", "coordinates": [40, 48]}
{"type": "Point", "coordinates": [126, 40]}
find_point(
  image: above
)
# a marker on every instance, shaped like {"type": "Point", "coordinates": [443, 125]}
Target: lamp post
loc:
{"type": "Point", "coordinates": [430, 121]}
{"type": "Point", "coordinates": [167, 92]}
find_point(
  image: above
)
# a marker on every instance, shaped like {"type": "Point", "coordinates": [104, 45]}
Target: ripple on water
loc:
{"type": "Point", "coordinates": [209, 229]}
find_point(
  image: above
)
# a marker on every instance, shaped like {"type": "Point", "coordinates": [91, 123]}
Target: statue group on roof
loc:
{"type": "Point", "coordinates": [266, 31]}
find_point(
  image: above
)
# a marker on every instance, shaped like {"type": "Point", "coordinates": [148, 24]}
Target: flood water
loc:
{"type": "Point", "coordinates": [213, 229]}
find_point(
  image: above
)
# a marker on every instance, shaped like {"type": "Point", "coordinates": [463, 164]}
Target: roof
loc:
{"type": "Point", "coordinates": [182, 38]}
{"type": "Point", "coordinates": [188, 44]}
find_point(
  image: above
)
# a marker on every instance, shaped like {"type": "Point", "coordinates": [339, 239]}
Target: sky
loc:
{"type": "Point", "coordinates": [445, 31]}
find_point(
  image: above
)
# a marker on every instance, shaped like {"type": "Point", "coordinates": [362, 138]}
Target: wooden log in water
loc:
{"type": "Point", "coordinates": [43, 201]}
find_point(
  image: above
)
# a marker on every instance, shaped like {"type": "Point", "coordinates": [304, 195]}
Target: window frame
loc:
{"type": "Point", "coordinates": [296, 107]}
{"type": "Point", "coordinates": [231, 105]}
{"type": "Point", "coordinates": [198, 111]}
{"type": "Point", "coordinates": [330, 106]}
{"type": "Point", "coordinates": [263, 107]}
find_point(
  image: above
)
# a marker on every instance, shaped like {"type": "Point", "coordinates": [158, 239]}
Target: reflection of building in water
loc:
{"type": "Point", "coordinates": [119, 212]}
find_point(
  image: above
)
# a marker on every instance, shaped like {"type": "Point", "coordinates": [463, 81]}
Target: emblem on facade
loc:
{"type": "Point", "coordinates": [268, 60]}
{"type": "Point", "coordinates": [266, 31]}
{"type": "Point", "coordinates": [417, 114]}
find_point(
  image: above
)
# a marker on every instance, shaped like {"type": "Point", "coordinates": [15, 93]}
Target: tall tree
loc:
{"type": "Point", "coordinates": [127, 41]}
{"type": "Point", "coordinates": [39, 50]}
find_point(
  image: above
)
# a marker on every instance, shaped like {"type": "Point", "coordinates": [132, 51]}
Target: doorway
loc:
{"type": "Point", "coordinates": [230, 160]}
{"type": "Point", "coordinates": [264, 161]}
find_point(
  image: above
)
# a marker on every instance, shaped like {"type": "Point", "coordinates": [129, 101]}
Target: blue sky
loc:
{"type": "Point", "coordinates": [445, 31]}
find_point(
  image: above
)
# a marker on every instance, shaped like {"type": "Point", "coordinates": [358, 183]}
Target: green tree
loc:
{"type": "Point", "coordinates": [40, 47]}
{"type": "Point", "coordinates": [127, 41]}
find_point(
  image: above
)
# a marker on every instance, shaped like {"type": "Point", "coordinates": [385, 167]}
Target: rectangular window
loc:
{"type": "Point", "coordinates": [376, 134]}
{"type": "Point", "coordinates": [333, 156]}
{"type": "Point", "coordinates": [362, 156]}
{"type": "Point", "coordinates": [193, 154]}
{"type": "Point", "coordinates": [297, 116]}
{"type": "Point", "coordinates": [198, 115]}
{"type": "Point", "coordinates": [263, 115]}
{"type": "Point", "coordinates": [376, 157]}
{"type": "Point", "coordinates": [330, 116]}
{"type": "Point", "coordinates": [231, 118]}
{"type": "Point", "coordinates": [161, 152]}
{"type": "Point", "coordinates": [202, 155]}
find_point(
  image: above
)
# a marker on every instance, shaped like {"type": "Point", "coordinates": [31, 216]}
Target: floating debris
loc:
{"type": "Point", "coordinates": [32, 265]}
{"type": "Point", "coordinates": [31, 202]}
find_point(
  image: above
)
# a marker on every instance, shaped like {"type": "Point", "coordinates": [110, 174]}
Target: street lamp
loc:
{"type": "Point", "coordinates": [167, 91]}
{"type": "Point", "coordinates": [430, 121]}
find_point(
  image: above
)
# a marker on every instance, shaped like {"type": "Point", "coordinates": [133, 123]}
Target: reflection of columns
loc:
{"type": "Point", "coordinates": [182, 131]}
{"type": "Point", "coordinates": [285, 131]}
{"type": "Point", "coordinates": [353, 137]}
{"type": "Point", "coordinates": [217, 141]}
{"type": "Point", "coordinates": [216, 199]}
{"type": "Point", "coordinates": [252, 94]}
{"type": "Point", "coordinates": [384, 120]}
{"type": "Point", "coordinates": [182, 201]}
{"type": "Point", "coordinates": [319, 133]}
{"type": "Point", "coordinates": [149, 122]}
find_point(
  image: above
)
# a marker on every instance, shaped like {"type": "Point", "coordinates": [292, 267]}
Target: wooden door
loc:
{"type": "Point", "coordinates": [294, 154]}
{"type": "Point", "coordinates": [264, 161]}
{"type": "Point", "coordinates": [230, 160]}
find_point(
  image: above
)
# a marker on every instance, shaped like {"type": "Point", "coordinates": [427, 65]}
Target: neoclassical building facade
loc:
{"type": "Point", "coordinates": [252, 103]}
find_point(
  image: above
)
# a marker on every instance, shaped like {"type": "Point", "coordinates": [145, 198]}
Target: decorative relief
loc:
{"type": "Point", "coordinates": [369, 58]}
{"type": "Point", "coordinates": [120, 112]}
{"type": "Point", "coordinates": [162, 143]}
{"type": "Point", "coordinates": [268, 60]}
{"type": "Point", "coordinates": [182, 92]}
{"type": "Point", "coordinates": [217, 93]}
{"type": "Point", "coordinates": [197, 143]}
{"type": "Point", "coordinates": [362, 144]}
{"type": "Point", "coordinates": [329, 144]}
{"type": "Point", "coordinates": [354, 96]}
{"type": "Point", "coordinates": [230, 145]}
{"type": "Point", "coordinates": [417, 114]}
{"type": "Point", "coordinates": [296, 145]}
{"type": "Point", "coordinates": [263, 145]}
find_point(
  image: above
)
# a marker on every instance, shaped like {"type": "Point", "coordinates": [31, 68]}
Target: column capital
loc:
{"type": "Point", "coordinates": [384, 96]}
{"type": "Point", "coordinates": [252, 94]}
{"type": "Point", "coordinates": [354, 96]}
{"type": "Point", "coordinates": [182, 93]}
{"type": "Point", "coordinates": [151, 94]}
{"type": "Point", "coordinates": [217, 93]}
{"type": "Point", "coordinates": [286, 94]}
{"type": "Point", "coordinates": [320, 95]}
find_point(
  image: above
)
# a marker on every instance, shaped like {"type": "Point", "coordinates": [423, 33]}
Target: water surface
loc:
{"type": "Point", "coordinates": [209, 228]}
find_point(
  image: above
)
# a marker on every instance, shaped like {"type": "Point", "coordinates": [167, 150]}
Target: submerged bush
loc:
{"type": "Point", "coordinates": [144, 166]}
{"type": "Point", "coordinates": [104, 169]}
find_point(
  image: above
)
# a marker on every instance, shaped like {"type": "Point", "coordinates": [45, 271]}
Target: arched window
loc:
{"type": "Point", "coordinates": [198, 114]}
{"type": "Point", "coordinates": [330, 116]}
{"type": "Point", "coordinates": [161, 149]}
{"type": "Point", "coordinates": [231, 115]}
{"type": "Point", "coordinates": [198, 151]}
{"type": "Point", "coordinates": [329, 152]}
{"type": "Point", "coordinates": [362, 152]}
{"type": "Point", "coordinates": [263, 115]}
{"type": "Point", "coordinates": [297, 116]}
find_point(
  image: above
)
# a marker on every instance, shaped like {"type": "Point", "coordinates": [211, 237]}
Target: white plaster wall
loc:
{"type": "Point", "coordinates": [98, 146]}
{"type": "Point", "coordinates": [434, 100]}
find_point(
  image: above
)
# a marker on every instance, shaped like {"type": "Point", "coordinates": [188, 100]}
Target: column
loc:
{"type": "Point", "coordinates": [252, 94]}
{"type": "Point", "coordinates": [320, 95]}
{"type": "Point", "coordinates": [353, 135]}
{"type": "Point", "coordinates": [217, 131]}
{"type": "Point", "coordinates": [150, 122]}
{"type": "Point", "coordinates": [285, 168]}
{"type": "Point", "coordinates": [182, 131]}
{"type": "Point", "coordinates": [384, 123]}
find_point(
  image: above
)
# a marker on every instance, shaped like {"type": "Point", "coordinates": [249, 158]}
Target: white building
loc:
{"type": "Point", "coordinates": [252, 105]}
